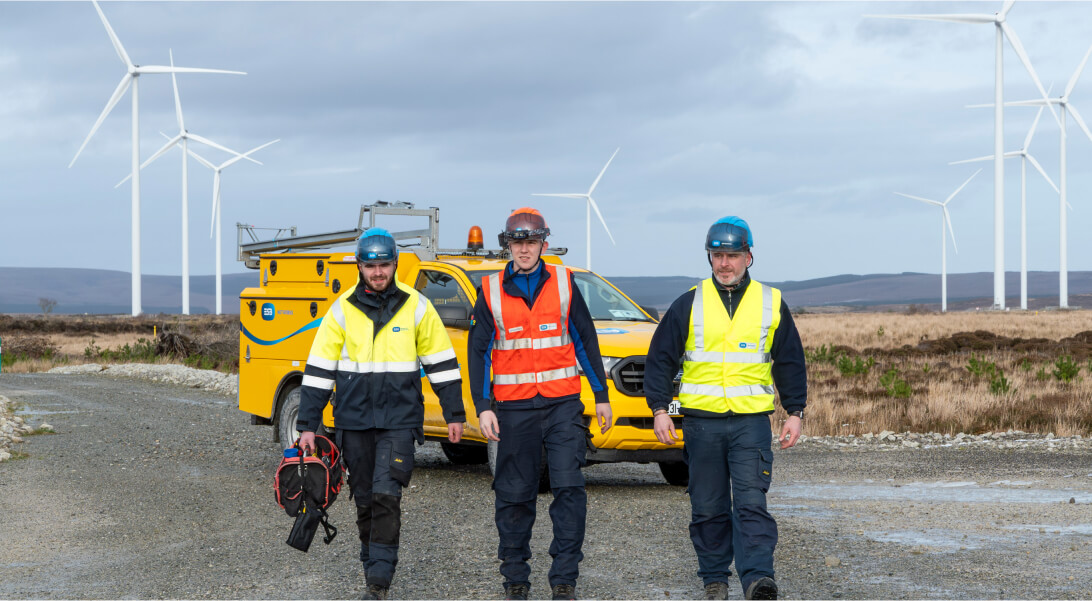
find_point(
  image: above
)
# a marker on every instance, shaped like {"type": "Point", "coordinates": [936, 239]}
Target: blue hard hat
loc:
{"type": "Point", "coordinates": [729, 234]}
{"type": "Point", "coordinates": [376, 245]}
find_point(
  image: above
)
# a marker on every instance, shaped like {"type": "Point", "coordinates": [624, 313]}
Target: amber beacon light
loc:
{"type": "Point", "coordinates": [474, 239]}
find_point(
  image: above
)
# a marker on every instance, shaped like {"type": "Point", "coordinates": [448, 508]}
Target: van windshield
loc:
{"type": "Point", "coordinates": [605, 303]}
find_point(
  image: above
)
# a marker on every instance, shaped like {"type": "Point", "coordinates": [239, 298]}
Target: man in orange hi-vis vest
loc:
{"type": "Point", "coordinates": [533, 329]}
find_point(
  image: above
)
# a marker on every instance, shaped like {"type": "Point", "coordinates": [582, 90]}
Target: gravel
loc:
{"type": "Point", "coordinates": [163, 489]}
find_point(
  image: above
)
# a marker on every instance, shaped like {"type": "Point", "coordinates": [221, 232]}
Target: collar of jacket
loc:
{"type": "Point", "coordinates": [740, 286]}
{"type": "Point", "coordinates": [513, 289]}
{"type": "Point", "coordinates": [380, 307]}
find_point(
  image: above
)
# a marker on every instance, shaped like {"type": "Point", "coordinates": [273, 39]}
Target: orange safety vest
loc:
{"type": "Point", "coordinates": [532, 348]}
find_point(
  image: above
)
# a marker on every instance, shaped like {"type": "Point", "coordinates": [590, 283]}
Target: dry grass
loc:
{"type": "Point", "coordinates": [931, 354]}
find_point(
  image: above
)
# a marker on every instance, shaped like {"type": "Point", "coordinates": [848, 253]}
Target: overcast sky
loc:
{"type": "Point", "coordinates": [802, 117]}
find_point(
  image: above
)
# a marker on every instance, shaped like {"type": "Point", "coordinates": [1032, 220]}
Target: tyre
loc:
{"type": "Point", "coordinates": [543, 474]}
{"type": "Point", "coordinates": [465, 454]}
{"type": "Point", "coordinates": [287, 414]}
{"type": "Point", "coordinates": [676, 473]}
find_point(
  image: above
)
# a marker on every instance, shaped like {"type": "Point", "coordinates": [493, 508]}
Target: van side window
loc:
{"type": "Point", "coordinates": [442, 290]}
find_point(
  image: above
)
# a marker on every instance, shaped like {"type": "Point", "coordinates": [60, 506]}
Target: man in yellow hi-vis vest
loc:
{"type": "Point", "coordinates": [373, 343]}
{"type": "Point", "coordinates": [738, 346]}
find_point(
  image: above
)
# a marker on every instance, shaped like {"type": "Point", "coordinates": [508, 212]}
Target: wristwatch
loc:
{"type": "Point", "coordinates": [799, 414]}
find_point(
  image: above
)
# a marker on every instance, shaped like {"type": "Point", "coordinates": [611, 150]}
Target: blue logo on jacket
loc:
{"type": "Point", "coordinates": [268, 311]}
{"type": "Point", "coordinates": [396, 329]}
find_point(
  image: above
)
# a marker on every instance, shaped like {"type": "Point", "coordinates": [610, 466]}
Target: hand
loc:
{"type": "Point", "coordinates": [307, 442]}
{"type": "Point", "coordinates": [455, 432]}
{"type": "Point", "coordinates": [664, 427]}
{"type": "Point", "coordinates": [487, 421]}
{"type": "Point", "coordinates": [604, 417]}
{"type": "Point", "coordinates": [790, 432]}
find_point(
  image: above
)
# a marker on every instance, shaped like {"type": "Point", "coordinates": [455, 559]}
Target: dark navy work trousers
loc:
{"type": "Point", "coordinates": [730, 468]}
{"type": "Point", "coordinates": [380, 463]}
{"type": "Point", "coordinates": [523, 434]}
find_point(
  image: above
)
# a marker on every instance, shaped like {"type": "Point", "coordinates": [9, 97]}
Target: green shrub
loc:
{"type": "Point", "coordinates": [895, 386]}
{"type": "Point", "coordinates": [854, 367]}
{"type": "Point", "coordinates": [823, 354]}
{"type": "Point", "coordinates": [998, 383]}
{"type": "Point", "coordinates": [1065, 368]}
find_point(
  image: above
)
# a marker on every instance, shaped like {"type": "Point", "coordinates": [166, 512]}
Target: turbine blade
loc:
{"type": "Point", "coordinates": [1042, 172]}
{"type": "Point", "coordinates": [201, 159]}
{"type": "Point", "coordinates": [114, 98]}
{"type": "Point", "coordinates": [963, 186]}
{"type": "Point", "coordinates": [1031, 132]}
{"type": "Point", "coordinates": [974, 160]}
{"type": "Point", "coordinates": [1014, 40]}
{"type": "Point", "coordinates": [155, 156]}
{"type": "Point", "coordinates": [948, 221]}
{"type": "Point", "coordinates": [1077, 117]}
{"type": "Point", "coordinates": [928, 200]}
{"type": "Point", "coordinates": [966, 18]}
{"type": "Point", "coordinates": [601, 220]}
{"type": "Point", "coordinates": [177, 98]}
{"type": "Point", "coordinates": [113, 37]}
{"type": "Point", "coordinates": [596, 182]}
{"type": "Point", "coordinates": [246, 155]}
{"type": "Point", "coordinates": [211, 144]}
{"type": "Point", "coordinates": [162, 69]}
{"type": "Point", "coordinates": [1076, 75]}
{"type": "Point", "coordinates": [1008, 6]}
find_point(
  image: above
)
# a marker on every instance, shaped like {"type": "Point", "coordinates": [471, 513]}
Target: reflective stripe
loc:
{"type": "Point", "coordinates": [339, 315]}
{"type": "Point", "coordinates": [495, 304]}
{"type": "Point", "coordinates": [533, 378]}
{"type": "Point", "coordinates": [320, 383]}
{"type": "Point", "coordinates": [438, 357]}
{"type": "Point", "coordinates": [564, 292]}
{"type": "Point", "coordinates": [767, 316]}
{"type": "Point", "coordinates": [713, 357]}
{"type": "Point", "coordinates": [697, 317]}
{"type": "Point", "coordinates": [444, 376]}
{"type": "Point", "coordinates": [378, 367]}
{"type": "Point", "coordinates": [722, 392]}
{"type": "Point", "coordinates": [533, 343]}
{"type": "Point", "coordinates": [419, 312]}
{"type": "Point", "coordinates": [322, 362]}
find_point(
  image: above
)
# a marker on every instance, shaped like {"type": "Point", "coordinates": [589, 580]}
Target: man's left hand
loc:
{"type": "Point", "coordinates": [455, 432]}
{"type": "Point", "coordinates": [790, 432]}
{"type": "Point", "coordinates": [604, 417]}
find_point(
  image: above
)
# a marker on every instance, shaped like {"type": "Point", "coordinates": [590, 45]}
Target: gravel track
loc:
{"type": "Point", "coordinates": [160, 490]}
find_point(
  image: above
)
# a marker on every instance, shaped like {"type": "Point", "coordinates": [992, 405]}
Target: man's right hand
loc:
{"type": "Point", "coordinates": [489, 425]}
{"type": "Point", "coordinates": [307, 442]}
{"type": "Point", "coordinates": [664, 427]}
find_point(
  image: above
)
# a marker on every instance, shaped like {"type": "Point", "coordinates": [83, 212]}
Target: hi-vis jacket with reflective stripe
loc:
{"type": "Point", "coordinates": [378, 374]}
{"type": "Point", "coordinates": [726, 367]}
{"type": "Point", "coordinates": [533, 349]}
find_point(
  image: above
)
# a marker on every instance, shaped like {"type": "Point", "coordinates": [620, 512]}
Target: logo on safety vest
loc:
{"type": "Point", "coordinates": [396, 329]}
{"type": "Point", "coordinates": [748, 345]}
{"type": "Point", "coordinates": [268, 311]}
{"type": "Point", "coordinates": [547, 326]}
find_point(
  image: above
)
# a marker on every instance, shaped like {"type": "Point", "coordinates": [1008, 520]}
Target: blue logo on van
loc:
{"type": "Point", "coordinates": [268, 311]}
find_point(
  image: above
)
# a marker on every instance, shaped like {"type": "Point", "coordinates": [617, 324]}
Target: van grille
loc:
{"type": "Point", "coordinates": [629, 376]}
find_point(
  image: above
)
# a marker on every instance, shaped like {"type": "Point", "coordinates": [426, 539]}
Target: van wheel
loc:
{"type": "Point", "coordinates": [543, 474]}
{"type": "Point", "coordinates": [289, 411]}
{"type": "Point", "coordinates": [676, 473]}
{"type": "Point", "coordinates": [465, 454]}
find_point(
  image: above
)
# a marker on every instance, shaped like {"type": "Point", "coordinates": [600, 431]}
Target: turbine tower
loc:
{"type": "Point", "coordinates": [215, 226]}
{"type": "Point", "coordinates": [591, 205]}
{"type": "Point", "coordinates": [1025, 157]}
{"type": "Point", "coordinates": [1002, 31]}
{"type": "Point", "coordinates": [1063, 202]}
{"type": "Point", "coordinates": [182, 140]}
{"type": "Point", "coordinates": [945, 222]}
{"type": "Point", "coordinates": [132, 74]}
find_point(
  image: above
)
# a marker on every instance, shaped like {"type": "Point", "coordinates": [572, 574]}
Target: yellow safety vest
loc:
{"type": "Point", "coordinates": [726, 367]}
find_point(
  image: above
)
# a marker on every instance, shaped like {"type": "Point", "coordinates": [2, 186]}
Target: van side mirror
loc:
{"type": "Point", "coordinates": [652, 311]}
{"type": "Point", "coordinates": [454, 316]}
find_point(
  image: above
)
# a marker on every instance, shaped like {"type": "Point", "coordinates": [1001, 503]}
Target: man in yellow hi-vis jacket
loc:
{"type": "Point", "coordinates": [738, 346]}
{"type": "Point", "coordinates": [373, 344]}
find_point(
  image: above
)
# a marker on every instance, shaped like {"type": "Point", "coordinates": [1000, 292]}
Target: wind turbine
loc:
{"type": "Point", "coordinates": [1063, 268]}
{"type": "Point", "coordinates": [1025, 156]}
{"type": "Point", "coordinates": [132, 73]}
{"type": "Point", "coordinates": [945, 221]}
{"type": "Point", "coordinates": [1003, 31]}
{"type": "Point", "coordinates": [591, 205]}
{"type": "Point", "coordinates": [182, 140]}
{"type": "Point", "coordinates": [215, 225]}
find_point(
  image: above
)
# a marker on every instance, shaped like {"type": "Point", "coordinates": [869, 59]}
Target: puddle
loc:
{"type": "Point", "coordinates": [32, 412]}
{"type": "Point", "coordinates": [201, 403]}
{"type": "Point", "coordinates": [934, 538]}
{"type": "Point", "coordinates": [1081, 529]}
{"type": "Point", "coordinates": [935, 492]}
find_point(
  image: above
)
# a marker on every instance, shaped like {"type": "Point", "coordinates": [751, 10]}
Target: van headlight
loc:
{"type": "Point", "coordinates": [608, 364]}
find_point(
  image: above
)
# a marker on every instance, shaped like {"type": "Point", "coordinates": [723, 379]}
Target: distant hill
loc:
{"type": "Point", "coordinates": [104, 291]}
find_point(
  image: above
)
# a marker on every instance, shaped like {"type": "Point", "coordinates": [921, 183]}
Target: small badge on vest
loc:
{"type": "Point", "coordinates": [547, 327]}
{"type": "Point", "coordinates": [515, 329]}
{"type": "Point", "coordinates": [748, 345]}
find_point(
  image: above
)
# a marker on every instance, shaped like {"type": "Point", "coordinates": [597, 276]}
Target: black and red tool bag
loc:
{"type": "Point", "coordinates": [305, 486]}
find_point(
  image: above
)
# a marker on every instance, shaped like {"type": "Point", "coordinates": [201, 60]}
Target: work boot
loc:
{"type": "Point", "coordinates": [563, 591]}
{"type": "Point", "coordinates": [516, 591]}
{"type": "Point", "coordinates": [763, 588]}
{"type": "Point", "coordinates": [716, 590]}
{"type": "Point", "coordinates": [375, 591]}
